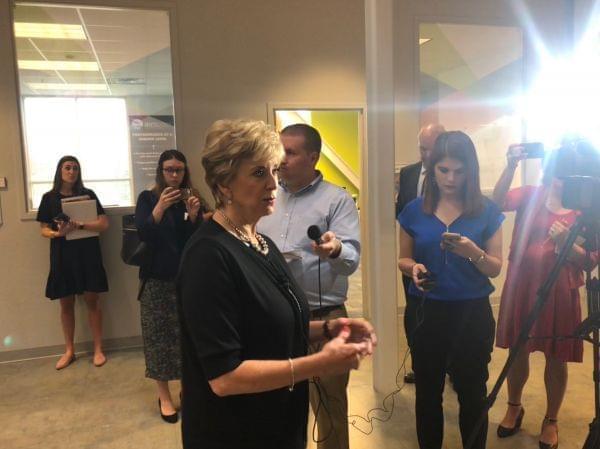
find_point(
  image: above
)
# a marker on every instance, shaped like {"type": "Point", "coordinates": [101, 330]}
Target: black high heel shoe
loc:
{"type": "Point", "coordinates": [171, 419]}
{"type": "Point", "coordinates": [548, 445]}
{"type": "Point", "coordinates": [504, 432]}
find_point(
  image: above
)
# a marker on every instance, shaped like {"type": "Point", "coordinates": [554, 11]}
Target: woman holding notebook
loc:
{"type": "Point", "coordinates": [75, 263]}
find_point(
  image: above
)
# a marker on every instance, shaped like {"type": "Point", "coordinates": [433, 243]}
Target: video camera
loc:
{"type": "Point", "coordinates": [582, 193]}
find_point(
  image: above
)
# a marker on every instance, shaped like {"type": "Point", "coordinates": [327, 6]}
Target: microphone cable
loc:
{"type": "Point", "coordinates": [369, 420]}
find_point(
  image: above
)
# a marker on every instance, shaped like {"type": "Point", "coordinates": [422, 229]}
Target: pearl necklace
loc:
{"type": "Point", "coordinates": [262, 246]}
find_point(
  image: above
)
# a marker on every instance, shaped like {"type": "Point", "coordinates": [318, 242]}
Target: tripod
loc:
{"type": "Point", "coordinates": [541, 298]}
{"type": "Point", "coordinates": [591, 325]}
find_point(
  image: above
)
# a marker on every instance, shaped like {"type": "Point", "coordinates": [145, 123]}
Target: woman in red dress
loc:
{"type": "Point", "coordinates": [541, 228]}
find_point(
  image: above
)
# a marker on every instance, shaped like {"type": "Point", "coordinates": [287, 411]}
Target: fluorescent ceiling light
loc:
{"type": "Point", "coordinates": [424, 40]}
{"type": "Point", "coordinates": [84, 66]}
{"type": "Point", "coordinates": [49, 31]}
{"type": "Point", "coordinates": [61, 86]}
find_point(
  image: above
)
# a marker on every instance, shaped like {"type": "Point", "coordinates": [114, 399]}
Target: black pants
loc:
{"type": "Point", "coordinates": [411, 313]}
{"type": "Point", "coordinates": [454, 337]}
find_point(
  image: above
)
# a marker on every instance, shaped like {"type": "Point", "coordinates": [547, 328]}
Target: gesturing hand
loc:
{"type": "Point", "coordinates": [339, 355]}
{"type": "Point", "coordinates": [361, 331]}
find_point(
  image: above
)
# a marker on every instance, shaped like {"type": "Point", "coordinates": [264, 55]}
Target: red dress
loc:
{"type": "Point", "coordinates": [531, 258]}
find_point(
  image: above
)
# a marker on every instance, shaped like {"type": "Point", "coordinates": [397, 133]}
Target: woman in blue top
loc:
{"type": "Point", "coordinates": [452, 234]}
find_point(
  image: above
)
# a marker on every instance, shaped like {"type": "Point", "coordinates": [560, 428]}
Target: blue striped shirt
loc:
{"type": "Point", "coordinates": [330, 208]}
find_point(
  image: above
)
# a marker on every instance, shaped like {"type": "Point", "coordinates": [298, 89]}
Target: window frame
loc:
{"type": "Point", "coordinates": [20, 154]}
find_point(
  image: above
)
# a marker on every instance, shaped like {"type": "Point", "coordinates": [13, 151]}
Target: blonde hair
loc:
{"type": "Point", "coordinates": [228, 143]}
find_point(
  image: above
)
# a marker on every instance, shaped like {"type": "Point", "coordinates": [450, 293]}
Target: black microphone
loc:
{"type": "Point", "coordinates": [314, 233]}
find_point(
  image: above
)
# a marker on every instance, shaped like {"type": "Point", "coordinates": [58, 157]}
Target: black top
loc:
{"type": "Point", "coordinates": [75, 265]}
{"type": "Point", "coordinates": [167, 238]}
{"type": "Point", "coordinates": [235, 305]}
{"type": "Point", "coordinates": [409, 180]}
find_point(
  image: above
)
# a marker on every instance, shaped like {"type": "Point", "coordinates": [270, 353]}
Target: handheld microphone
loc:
{"type": "Point", "coordinates": [314, 233]}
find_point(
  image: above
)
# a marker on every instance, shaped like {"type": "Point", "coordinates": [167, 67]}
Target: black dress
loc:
{"type": "Point", "coordinates": [235, 305]}
{"type": "Point", "coordinates": [75, 265]}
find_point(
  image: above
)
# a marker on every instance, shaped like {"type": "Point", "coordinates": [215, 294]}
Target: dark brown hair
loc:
{"type": "Point", "coordinates": [78, 186]}
{"type": "Point", "coordinates": [455, 145]}
{"type": "Point", "coordinates": [312, 138]}
{"type": "Point", "coordinates": [573, 158]}
{"type": "Point", "coordinates": [159, 180]}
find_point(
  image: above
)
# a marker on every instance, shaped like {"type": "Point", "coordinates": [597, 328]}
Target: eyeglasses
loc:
{"type": "Point", "coordinates": [174, 171]}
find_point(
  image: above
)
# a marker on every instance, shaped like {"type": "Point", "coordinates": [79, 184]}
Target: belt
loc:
{"type": "Point", "coordinates": [325, 310]}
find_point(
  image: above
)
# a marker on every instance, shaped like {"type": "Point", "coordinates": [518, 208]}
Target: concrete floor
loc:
{"type": "Point", "coordinates": [116, 407]}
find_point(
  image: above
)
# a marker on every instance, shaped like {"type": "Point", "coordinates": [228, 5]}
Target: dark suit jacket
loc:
{"type": "Point", "coordinates": [409, 178]}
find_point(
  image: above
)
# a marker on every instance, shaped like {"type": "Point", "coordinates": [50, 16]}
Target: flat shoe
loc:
{"type": "Point", "coordinates": [71, 360]}
{"type": "Point", "coordinates": [98, 365]}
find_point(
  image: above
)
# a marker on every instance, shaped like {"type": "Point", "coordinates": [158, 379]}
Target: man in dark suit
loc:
{"type": "Point", "coordinates": [411, 186]}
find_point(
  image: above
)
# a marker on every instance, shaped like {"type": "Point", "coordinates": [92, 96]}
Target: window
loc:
{"type": "Point", "coordinates": [95, 83]}
{"type": "Point", "coordinates": [94, 128]}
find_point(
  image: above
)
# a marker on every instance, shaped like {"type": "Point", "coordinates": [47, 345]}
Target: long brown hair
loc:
{"type": "Point", "coordinates": [57, 184]}
{"type": "Point", "coordinates": [159, 180]}
{"type": "Point", "coordinates": [456, 145]}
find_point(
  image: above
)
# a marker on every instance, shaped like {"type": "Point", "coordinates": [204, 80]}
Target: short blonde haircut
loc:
{"type": "Point", "coordinates": [228, 143]}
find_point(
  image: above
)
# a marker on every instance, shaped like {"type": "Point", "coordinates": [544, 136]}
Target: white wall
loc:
{"type": "Point", "coordinates": [233, 57]}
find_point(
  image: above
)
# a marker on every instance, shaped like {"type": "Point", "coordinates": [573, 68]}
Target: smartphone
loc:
{"type": "Point", "coordinates": [533, 150]}
{"type": "Point", "coordinates": [186, 194]}
{"type": "Point", "coordinates": [62, 217]}
{"type": "Point", "coordinates": [451, 236]}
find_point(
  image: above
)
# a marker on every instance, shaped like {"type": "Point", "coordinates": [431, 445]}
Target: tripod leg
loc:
{"type": "Point", "coordinates": [593, 439]}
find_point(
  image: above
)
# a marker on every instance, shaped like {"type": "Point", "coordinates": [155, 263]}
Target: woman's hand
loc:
{"type": "Point", "coordinates": [416, 270]}
{"type": "Point", "coordinates": [339, 355]}
{"type": "Point", "coordinates": [463, 247]}
{"type": "Point", "coordinates": [192, 205]}
{"type": "Point", "coordinates": [168, 197]}
{"type": "Point", "coordinates": [361, 331]}
{"type": "Point", "coordinates": [558, 233]}
{"type": "Point", "coordinates": [65, 227]}
{"type": "Point", "coordinates": [515, 154]}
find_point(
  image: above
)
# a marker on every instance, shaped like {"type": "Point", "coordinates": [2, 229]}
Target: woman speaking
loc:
{"type": "Point", "coordinates": [245, 327]}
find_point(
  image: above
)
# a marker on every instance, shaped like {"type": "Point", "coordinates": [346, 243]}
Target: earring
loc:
{"type": "Point", "coordinates": [229, 201]}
